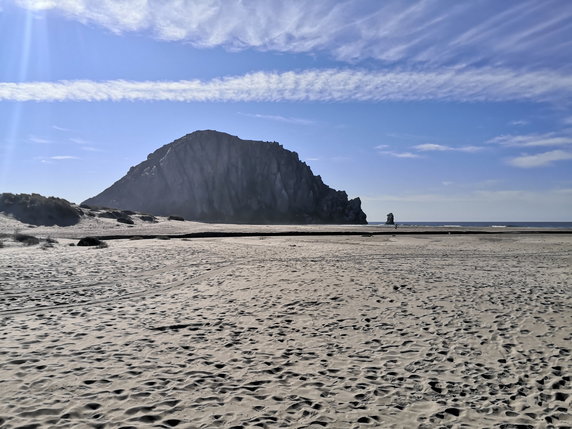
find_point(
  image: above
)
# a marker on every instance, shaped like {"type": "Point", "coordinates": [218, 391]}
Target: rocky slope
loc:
{"type": "Point", "coordinates": [215, 177]}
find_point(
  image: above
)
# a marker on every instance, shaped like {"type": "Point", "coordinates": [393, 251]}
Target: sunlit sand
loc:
{"type": "Point", "coordinates": [334, 331]}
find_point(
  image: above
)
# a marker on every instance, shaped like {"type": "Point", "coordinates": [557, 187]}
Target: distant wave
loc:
{"type": "Point", "coordinates": [483, 224]}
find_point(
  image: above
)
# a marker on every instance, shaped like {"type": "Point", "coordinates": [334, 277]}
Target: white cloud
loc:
{"type": "Point", "coordinates": [533, 140]}
{"type": "Point", "coordinates": [469, 149]}
{"type": "Point", "coordinates": [62, 157]}
{"type": "Point", "coordinates": [540, 159]}
{"type": "Point", "coordinates": [62, 129]}
{"type": "Point", "coordinates": [429, 31]}
{"type": "Point", "coordinates": [78, 141]}
{"type": "Point", "coordinates": [91, 149]}
{"type": "Point", "coordinates": [39, 140]}
{"type": "Point", "coordinates": [331, 85]}
{"type": "Point", "coordinates": [399, 154]}
{"type": "Point", "coordinates": [51, 159]}
{"type": "Point", "coordinates": [279, 118]}
{"type": "Point", "coordinates": [518, 123]}
{"type": "Point", "coordinates": [431, 147]}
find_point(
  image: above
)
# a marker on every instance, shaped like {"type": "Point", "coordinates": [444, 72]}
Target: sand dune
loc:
{"type": "Point", "coordinates": [293, 332]}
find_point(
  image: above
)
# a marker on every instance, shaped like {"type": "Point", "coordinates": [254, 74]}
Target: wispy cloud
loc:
{"type": "Point", "coordinates": [431, 147]}
{"type": "Point", "coordinates": [279, 118]}
{"type": "Point", "coordinates": [62, 129]}
{"type": "Point", "coordinates": [62, 157]}
{"type": "Point", "coordinates": [79, 141]}
{"type": "Point", "coordinates": [469, 149]}
{"type": "Point", "coordinates": [84, 144]}
{"type": "Point", "coordinates": [533, 140]}
{"type": "Point", "coordinates": [91, 149]}
{"type": "Point", "coordinates": [399, 154]}
{"type": "Point", "coordinates": [540, 159]}
{"type": "Point", "coordinates": [39, 140]}
{"type": "Point", "coordinates": [330, 85]}
{"type": "Point", "coordinates": [429, 31]}
{"type": "Point", "coordinates": [518, 123]}
{"type": "Point", "coordinates": [55, 158]}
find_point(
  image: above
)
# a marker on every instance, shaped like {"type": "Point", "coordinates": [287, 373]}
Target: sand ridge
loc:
{"type": "Point", "coordinates": [301, 332]}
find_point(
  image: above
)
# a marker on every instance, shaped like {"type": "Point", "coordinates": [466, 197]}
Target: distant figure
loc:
{"type": "Point", "coordinates": [390, 220]}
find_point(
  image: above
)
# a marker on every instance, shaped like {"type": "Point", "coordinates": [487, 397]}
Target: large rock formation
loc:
{"type": "Point", "coordinates": [215, 177]}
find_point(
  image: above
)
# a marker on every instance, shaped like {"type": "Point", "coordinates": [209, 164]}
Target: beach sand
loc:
{"type": "Point", "coordinates": [396, 331]}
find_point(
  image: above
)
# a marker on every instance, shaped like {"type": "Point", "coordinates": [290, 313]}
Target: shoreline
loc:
{"type": "Point", "coordinates": [109, 229]}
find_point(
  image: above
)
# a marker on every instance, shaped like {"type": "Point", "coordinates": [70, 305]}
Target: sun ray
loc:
{"type": "Point", "coordinates": [14, 120]}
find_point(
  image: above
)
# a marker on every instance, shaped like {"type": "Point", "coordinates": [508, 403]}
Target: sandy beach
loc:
{"type": "Point", "coordinates": [403, 331]}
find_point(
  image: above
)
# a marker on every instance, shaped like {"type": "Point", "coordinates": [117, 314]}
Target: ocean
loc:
{"type": "Point", "coordinates": [499, 224]}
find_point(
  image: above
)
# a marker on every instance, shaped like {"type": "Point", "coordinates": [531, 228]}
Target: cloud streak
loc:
{"type": "Point", "coordinates": [506, 33]}
{"type": "Point", "coordinates": [399, 154]}
{"type": "Point", "coordinates": [39, 140]}
{"type": "Point", "coordinates": [431, 147]}
{"type": "Point", "coordinates": [62, 157]}
{"type": "Point", "coordinates": [533, 140]}
{"type": "Point", "coordinates": [540, 159]}
{"type": "Point", "coordinates": [328, 85]}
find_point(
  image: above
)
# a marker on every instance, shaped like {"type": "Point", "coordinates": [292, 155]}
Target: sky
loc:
{"type": "Point", "coordinates": [434, 110]}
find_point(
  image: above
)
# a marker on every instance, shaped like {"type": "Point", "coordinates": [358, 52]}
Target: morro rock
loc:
{"type": "Point", "coordinates": [211, 176]}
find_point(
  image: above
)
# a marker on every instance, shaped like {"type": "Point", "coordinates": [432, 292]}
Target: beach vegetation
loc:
{"type": "Point", "coordinates": [36, 209]}
{"type": "Point", "coordinates": [25, 239]}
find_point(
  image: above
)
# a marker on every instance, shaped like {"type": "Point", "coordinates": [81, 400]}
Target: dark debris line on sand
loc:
{"type": "Point", "coordinates": [229, 234]}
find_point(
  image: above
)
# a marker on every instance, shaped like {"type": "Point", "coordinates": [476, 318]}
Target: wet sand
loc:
{"type": "Point", "coordinates": [294, 332]}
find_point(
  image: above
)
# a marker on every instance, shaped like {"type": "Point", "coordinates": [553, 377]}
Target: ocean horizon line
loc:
{"type": "Point", "coordinates": [508, 224]}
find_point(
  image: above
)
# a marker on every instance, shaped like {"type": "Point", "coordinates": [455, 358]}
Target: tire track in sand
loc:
{"type": "Point", "coordinates": [146, 292]}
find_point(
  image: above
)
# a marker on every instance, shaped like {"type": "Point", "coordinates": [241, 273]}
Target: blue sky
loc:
{"type": "Point", "coordinates": [432, 110]}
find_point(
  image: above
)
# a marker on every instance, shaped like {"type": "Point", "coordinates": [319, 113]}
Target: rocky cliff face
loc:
{"type": "Point", "coordinates": [211, 176]}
